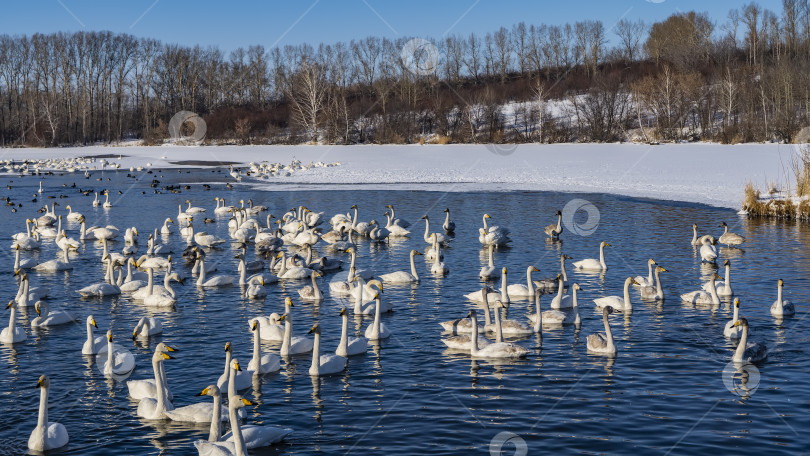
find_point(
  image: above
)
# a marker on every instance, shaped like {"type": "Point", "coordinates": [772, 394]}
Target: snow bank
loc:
{"type": "Point", "coordinates": [697, 172]}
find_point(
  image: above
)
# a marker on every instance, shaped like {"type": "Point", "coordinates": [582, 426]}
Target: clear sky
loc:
{"type": "Point", "coordinates": [230, 24]}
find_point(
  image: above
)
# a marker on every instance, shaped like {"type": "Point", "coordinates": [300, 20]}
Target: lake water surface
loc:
{"type": "Point", "coordinates": [663, 394]}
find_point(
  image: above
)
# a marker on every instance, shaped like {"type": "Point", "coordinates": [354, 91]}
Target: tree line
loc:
{"type": "Point", "coordinates": [743, 78]}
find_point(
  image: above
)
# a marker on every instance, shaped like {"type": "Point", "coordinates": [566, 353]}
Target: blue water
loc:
{"type": "Point", "coordinates": [663, 394]}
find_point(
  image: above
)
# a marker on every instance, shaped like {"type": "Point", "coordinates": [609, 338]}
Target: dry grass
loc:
{"type": "Point", "coordinates": [422, 141]}
{"type": "Point", "coordinates": [801, 169]}
{"type": "Point", "coordinates": [443, 140]}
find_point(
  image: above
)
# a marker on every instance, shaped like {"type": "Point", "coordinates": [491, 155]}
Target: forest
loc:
{"type": "Point", "coordinates": [690, 77]}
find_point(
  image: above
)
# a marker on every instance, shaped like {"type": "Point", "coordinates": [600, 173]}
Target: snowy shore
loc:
{"type": "Point", "coordinates": [699, 173]}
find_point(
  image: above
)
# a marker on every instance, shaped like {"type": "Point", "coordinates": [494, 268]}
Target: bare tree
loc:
{"type": "Point", "coordinates": [306, 92]}
{"type": "Point", "coordinates": [630, 33]}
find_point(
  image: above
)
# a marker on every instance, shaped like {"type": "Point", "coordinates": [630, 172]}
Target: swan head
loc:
{"type": "Point", "coordinates": [354, 206]}
{"type": "Point", "coordinates": [416, 252]}
{"type": "Point", "coordinates": [607, 310]}
{"type": "Point", "coordinates": [694, 225]}
{"type": "Point", "coordinates": [661, 269]}
{"type": "Point", "coordinates": [39, 306]}
{"type": "Point", "coordinates": [316, 329]}
{"type": "Point", "coordinates": [780, 282]}
{"type": "Point", "coordinates": [425, 217]}
{"type": "Point", "coordinates": [723, 225]}
{"type": "Point", "coordinates": [558, 214]}
{"type": "Point", "coordinates": [740, 322]}
{"type": "Point", "coordinates": [239, 402]}
{"type": "Point", "coordinates": [472, 314]}
{"type": "Point", "coordinates": [630, 280]}
{"type": "Point", "coordinates": [210, 390]}
{"type": "Point", "coordinates": [281, 318]}
{"type": "Point", "coordinates": [534, 268]}
{"type": "Point", "coordinates": [604, 244]}
{"type": "Point", "coordinates": [501, 305]}
{"type": "Point", "coordinates": [228, 347]}
{"type": "Point", "coordinates": [737, 302]}
{"type": "Point", "coordinates": [10, 304]}
{"type": "Point", "coordinates": [486, 216]}
{"type": "Point", "coordinates": [91, 321]}
{"type": "Point", "coordinates": [254, 325]}
{"type": "Point", "coordinates": [727, 263]}
{"type": "Point", "coordinates": [576, 287]}
{"type": "Point", "coordinates": [566, 257]}
{"type": "Point", "coordinates": [342, 311]}
{"type": "Point", "coordinates": [446, 210]}
{"type": "Point", "coordinates": [503, 271]}
{"type": "Point", "coordinates": [650, 262]}
{"type": "Point", "coordinates": [43, 382]}
{"type": "Point", "coordinates": [235, 365]}
{"type": "Point", "coordinates": [109, 335]}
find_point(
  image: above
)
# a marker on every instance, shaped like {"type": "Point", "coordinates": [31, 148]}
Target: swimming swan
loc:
{"type": "Point", "coordinates": [349, 346]}
{"type": "Point", "coordinates": [47, 435]}
{"type": "Point", "coordinates": [781, 307]}
{"type": "Point", "coordinates": [324, 364]}
{"type": "Point", "coordinates": [400, 277]}
{"type": "Point", "coordinates": [591, 264]}
{"type": "Point", "coordinates": [602, 343]}
{"type": "Point", "coordinates": [493, 350]}
{"type": "Point", "coordinates": [619, 303]}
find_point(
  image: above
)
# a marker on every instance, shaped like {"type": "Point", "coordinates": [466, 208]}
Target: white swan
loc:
{"type": "Point", "coordinates": [19, 263]}
{"type": "Point", "coordinates": [555, 229]}
{"type": "Point", "coordinates": [241, 438]}
{"type": "Point", "coordinates": [243, 380]}
{"type": "Point", "coordinates": [377, 329]}
{"type": "Point", "coordinates": [781, 307]}
{"type": "Point", "coordinates": [55, 265]}
{"type": "Point", "coordinates": [704, 297]}
{"type": "Point", "coordinates": [48, 317]}
{"type": "Point", "coordinates": [96, 202]}
{"type": "Point", "coordinates": [619, 303]}
{"type": "Point", "coordinates": [293, 345]}
{"type": "Point", "coordinates": [519, 290]}
{"type": "Point", "coordinates": [561, 300]}
{"type": "Point", "coordinates": [723, 288]}
{"type": "Point", "coordinates": [324, 364]}
{"type": "Point", "coordinates": [395, 221]}
{"type": "Point", "coordinates": [438, 266]}
{"type": "Point", "coordinates": [729, 238]}
{"type": "Point", "coordinates": [696, 240]}
{"type": "Point", "coordinates": [400, 277]}
{"type": "Point", "coordinates": [428, 236]}
{"type": "Point", "coordinates": [507, 326]}
{"type": "Point", "coordinates": [147, 326]}
{"type": "Point", "coordinates": [107, 204]}
{"type": "Point", "coordinates": [708, 251]}
{"type": "Point", "coordinates": [349, 346]}
{"type": "Point", "coordinates": [93, 345]}
{"type": "Point", "coordinates": [256, 289]}
{"type": "Point", "coordinates": [602, 343]}
{"type": "Point", "coordinates": [106, 288]}
{"type": "Point", "coordinates": [655, 293]}
{"type": "Point", "coordinates": [748, 352]}
{"type": "Point", "coordinates": [493, 350]}
{"type": "Point", "coordinates": [555, 317]}
{"type": "Point", "coordinates": [154, 408]}
{"type": "Point", "coordinates": [592, 264]}
{"type": "Point", "coordinates": [261, 363]}
{"type": "Point", "coordinates": [271, 329]}
{"type": "Point", "coordinates": [364, 306]}
{"type": "Point", "coordinates": [312, 292]}
{"type": "Point", "coordinates": [117, 361]}
{"type": "Point", "coordinates": [648, 281]}
{"type": "Point", "coordinates": [730, 330]}
{"type": "Point", "coordinates": [13, 333]}
{"type": "Point", "coordinates": [166, 297]}
{"type": "Point", "coordinates": [490, 271]}
{"type": "Point", "coordinates": [147, 388]}
{"type": "Point", "coordinates": [213, 282]}
{"type": "Point", "coordinates": [47, 435]}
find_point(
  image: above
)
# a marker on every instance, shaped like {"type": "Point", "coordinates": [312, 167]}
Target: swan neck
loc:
{"type": "Point", "coordinates": [474, 336]}
{"type": "Point", "coordinates": [216, 432]}
{"type": "Point", "coordinates": [89, 331]}
{"type": "Point", "coordinates": [314, 368]}
{"type": "Point", "coordinates": [236, 429]}
{"type": "Point", "coordinates": [285, 345]}
{"type": "Point", "coordinates": [257, 347]}
{"type": "Point", "coordinates": [658, 288]}
{"type": "Point", "coordinates": [242, 271]}
{"type": "Point", "coordinates": [736, 315]}
{"type": "Point", "coordinates": [151, 281]}
{"type": "Point", "coordinates": [778, 294]}
{"type": "Point", "coordinates": [344, 336]}
{"type": "Point", "coordinates": [42, 419]}
{"type": "Point", "coordinates": [498, 329]}
{"type": "Point", "coordinates": [376, 330]}
{"type": "Point", "coordinates": [627, 304]}
{"type": "Point", "coordinates": [602, 256]}
{"type": "Point", "coordinates": [201, 277]}
{"type": "Point", "coordinates": [413, 268]}
{"type": "Point", "coordinates": [529, 283]}
{"type": "Point", "coordinates": [738, 354]}
{"type": "Point", "coordinates": [504, 293]}
{"type": "Point", "coordinates": [12, 319]}
{"type": "Point", "coordinates": [608, 332]}
{"type": "Point", "coordinates": [231, 378]}
{"type": "Point", "coordinates": [315, 289]}
{"type": "Point", "coordinates": [538, 322]}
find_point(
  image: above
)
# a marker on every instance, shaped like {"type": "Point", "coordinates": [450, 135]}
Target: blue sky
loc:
{"type": "Point", "coordinates": [230, 24]}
